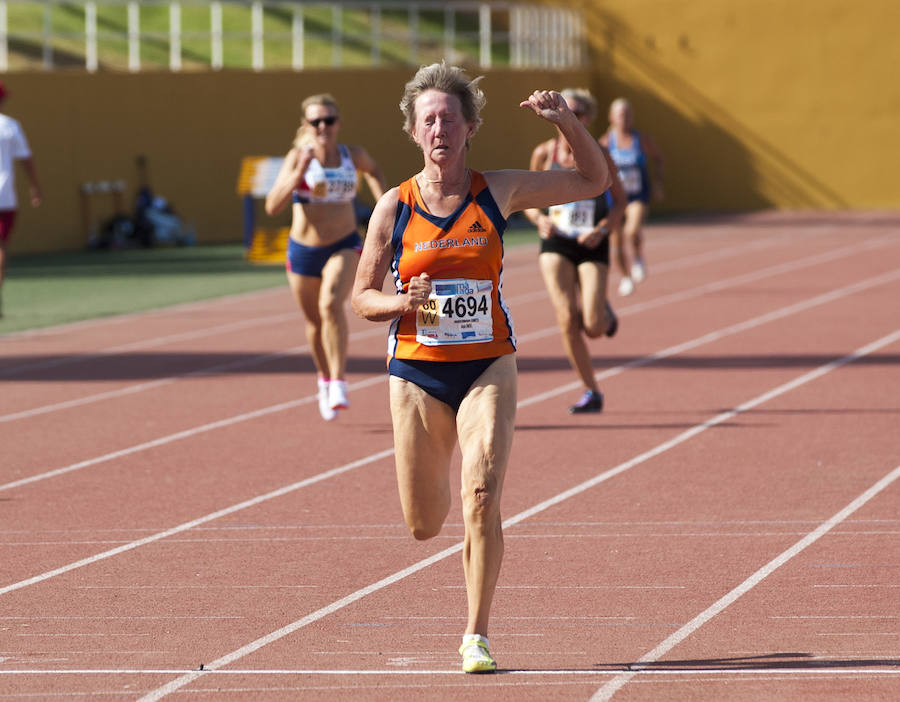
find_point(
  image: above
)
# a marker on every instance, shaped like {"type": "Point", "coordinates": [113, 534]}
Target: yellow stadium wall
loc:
{"type": "Point", "coordinates": [195, 128]}
{"type": "Point", "coordinates": [790, 104]}
{"type": "Point", "coordinates": [755, 103]}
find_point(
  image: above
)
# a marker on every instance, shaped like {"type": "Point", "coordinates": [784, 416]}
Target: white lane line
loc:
{"type": "Point", "coordinates": [672, 671]}
{"type": "Point", "coordinates": [180, 682]}
{"type": "Point", "coordinates": [253, 501]}
{"type": "Point", "coordinates": [718, 286]}
{"type": "Point", "coordinates": [762, 273]}
{"type": "Point", "coordinates": [512, 252]}
{"type": "Point", "coordinates": [609, 689]}
{"type": "Point", "coordinates": [199, 373]}
{"type": "Point", "coordinates": [155, 342]}
{"type": "Point", "coordinates": [258, 413]}
{"type": "Point", "coordinates": [371, 458]}
{"type": "Point", "coordinates": [722, 333]}
{"type": "Point", "coordinates": [665, 353]}
{"type": "Point", "coordinates": [517, 299]}
{"type": "Point", "coordinates": [187, 433]}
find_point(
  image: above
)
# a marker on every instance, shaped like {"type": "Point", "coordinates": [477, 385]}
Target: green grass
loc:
{"type": "Point", "coordinates": [27, 22]}
{"type": "Point", "coordinates": [51, 289]}
{"type": "Point", "coordinates": [48, 289]}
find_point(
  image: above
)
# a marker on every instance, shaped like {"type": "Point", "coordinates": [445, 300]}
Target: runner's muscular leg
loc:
{"type": "Point", "coordinates": [337, 281]}
{"type": "Point", "coordinates": [560, 278]}
{"type": "Point", "coordinates": [306, 292]}
{"type": "Point", "coordinates": [635, 214]}
{"type": "Point", "coordinates": [485, 422]}
{"type": "Point", "coordinates": [617, 250]}
{"type": "Point", "coordinates": [592, 281]}
{"type": "Point", "coordinates": [424, 437]}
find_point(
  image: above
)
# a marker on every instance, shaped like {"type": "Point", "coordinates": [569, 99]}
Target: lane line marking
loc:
{"type": "Point", "coordinates": [672, 350]}
{"type": "Point", "coordinates": [333, 472]}
{"type": "Point", "coordinates": [607, 691]}
{"type": "Point", "coordinates": [182, 681]}
{"type": "Point", "coordinates": [517, 299]}
{"type": "Point", "coordinates": [161, 382]}
{"type": "Point", "coordinates": [187, 433]}
{"type": "Point", "coordinates": [514, 251]}
{"type": "Point", "coordinates": [673, 671]}
{"type": "Point", "coordinates": [722, 333]}
{"type": "Point", "coordinates": [200, 520]}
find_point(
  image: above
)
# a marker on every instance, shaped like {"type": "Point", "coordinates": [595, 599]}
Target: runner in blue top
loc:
{"type": "Point", "coordinates": [633, 152]}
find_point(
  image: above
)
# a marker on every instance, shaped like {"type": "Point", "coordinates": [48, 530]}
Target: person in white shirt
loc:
{"type": "Point", "coordinates": [13, 147]}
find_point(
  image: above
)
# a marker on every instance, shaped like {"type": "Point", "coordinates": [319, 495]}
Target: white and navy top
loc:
{"type": "Point", "coordinates": [322, 184]}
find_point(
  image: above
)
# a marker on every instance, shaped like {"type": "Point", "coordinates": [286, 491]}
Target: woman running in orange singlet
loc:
{"type": "Point", "coordinates": [451, 348]}
{"type": "Point", "coordinates": [319, 177]}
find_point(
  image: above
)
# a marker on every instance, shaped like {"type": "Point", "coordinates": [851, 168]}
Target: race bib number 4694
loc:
{"type": "Point", "coordinates": [458, 311]}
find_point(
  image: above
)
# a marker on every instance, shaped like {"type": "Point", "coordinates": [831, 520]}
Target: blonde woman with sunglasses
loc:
{"type": "Point", "coordinates": [319, 178]}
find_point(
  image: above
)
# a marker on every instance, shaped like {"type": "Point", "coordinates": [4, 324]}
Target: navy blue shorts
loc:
{"type": "Point", "coordinates": [571, 250]}
{"type": "Point", "coordinates": [310, 260]}
{"type": "Point", "coordinates": [447, 381]}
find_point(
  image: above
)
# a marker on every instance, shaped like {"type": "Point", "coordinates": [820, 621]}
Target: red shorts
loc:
{"type": "Point", "coordinates": [7, 220]}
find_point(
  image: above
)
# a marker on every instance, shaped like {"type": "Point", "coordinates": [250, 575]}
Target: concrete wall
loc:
{"type": "Point", "coordinates": [195, 128]}
{"type": "Point", "coordinates": [755, 104]}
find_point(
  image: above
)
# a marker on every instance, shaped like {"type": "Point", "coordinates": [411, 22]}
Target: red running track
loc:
{"type": "Point", "coordinates": [177, 523]}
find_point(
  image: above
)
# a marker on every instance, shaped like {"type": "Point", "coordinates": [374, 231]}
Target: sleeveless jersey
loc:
{"type": "Point", "coordinates": [632, 166]}
{"type": "Point", "coordinates": [322, 184]}
{"type": "Point", "coordinates": [580, 217]}
{"type": "Point", "coordinates": [465, 318]}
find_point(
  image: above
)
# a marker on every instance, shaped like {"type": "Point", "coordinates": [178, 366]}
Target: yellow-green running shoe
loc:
{"type": "Point", "coordinates": [476, 655]}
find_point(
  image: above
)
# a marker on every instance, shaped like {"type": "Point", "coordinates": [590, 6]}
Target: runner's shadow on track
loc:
{"type": "Point", "coordinates": [139, 366]}
{"type": "Point", "coordinates": [150, 365]}
{"type": "Point", "coordinates": [605, 424]}
{"type": "Point", "coordinates": [770, 661]}
{"type": "Point", "coordinates": [737, 361]}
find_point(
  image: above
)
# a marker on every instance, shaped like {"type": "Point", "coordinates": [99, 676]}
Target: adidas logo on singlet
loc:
{"type": "Point", "coordinates": [475, 228]}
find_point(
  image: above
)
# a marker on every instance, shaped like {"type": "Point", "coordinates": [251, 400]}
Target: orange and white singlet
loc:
{"type": "Point", "coordinates": [465, 318]}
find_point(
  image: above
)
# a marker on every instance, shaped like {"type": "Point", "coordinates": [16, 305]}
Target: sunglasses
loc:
{"type": "Point", "coordinates": [327, 121]}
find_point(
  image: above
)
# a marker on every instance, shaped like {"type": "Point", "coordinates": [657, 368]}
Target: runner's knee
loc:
{"type": "Point", "coordinates": [330, 305]}
{"type": "Point", "coordinates": [480, 501]}
{"type": "Point", "coordinates": [423, 529]}
{"type": "Point", "coordinates": [595, 325]}
{"type": "Point", "coordinates": [569, 320]}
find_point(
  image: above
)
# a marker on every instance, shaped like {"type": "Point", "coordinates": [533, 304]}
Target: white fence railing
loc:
{"type": "Point", "coordinates": [262, 34]}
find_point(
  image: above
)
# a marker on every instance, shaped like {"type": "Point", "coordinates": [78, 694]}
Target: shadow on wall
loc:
{"type": "Point", "coordinates": [712, 159]}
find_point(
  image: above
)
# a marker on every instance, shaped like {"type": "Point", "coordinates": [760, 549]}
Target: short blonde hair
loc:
{"type": "Point", "coordinates": [584, 98]}
{"type": "Point", "coordinates": [447, 79]}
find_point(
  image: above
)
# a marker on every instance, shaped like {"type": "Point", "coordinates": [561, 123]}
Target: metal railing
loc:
{"type": "Point", "coordinates": [276, 34]}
